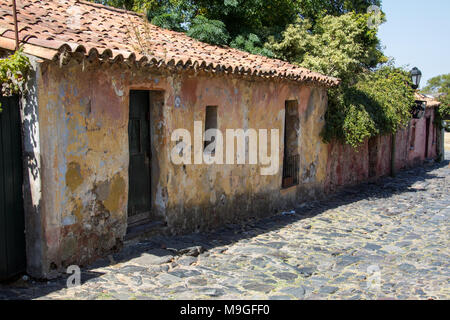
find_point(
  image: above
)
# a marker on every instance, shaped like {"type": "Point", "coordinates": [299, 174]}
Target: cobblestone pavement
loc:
{"type": "Point", "coordinates": [384, 240]}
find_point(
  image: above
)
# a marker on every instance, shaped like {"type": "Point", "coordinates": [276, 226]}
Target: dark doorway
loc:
{"type": "Point", "coordinates": [427, 134]}
{"type": "Point", "coordinates": [291, 157]}
{"type": "Point", "coordinates": [12, 220]}
{"type": "Point", "coordinates": [139, 196]}
{"type": "Point", "coordinates": [373, 156]}
{"type": "Point", "coordinates": [210, 123]}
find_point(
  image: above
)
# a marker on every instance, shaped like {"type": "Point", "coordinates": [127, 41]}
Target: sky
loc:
{"type": "Point", "coordinates": [417, 34]}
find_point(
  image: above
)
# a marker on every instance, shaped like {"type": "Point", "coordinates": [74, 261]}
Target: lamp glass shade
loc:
{"type": "Point", "coordinates": [416, 76]}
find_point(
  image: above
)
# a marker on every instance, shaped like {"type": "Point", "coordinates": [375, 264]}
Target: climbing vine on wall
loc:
{"type": "Point", "coordinates": [443, 112]}
{"type": "Point", "coordinates": [13, 73]}
{"type": "Point", "coordinates": [379, 103]}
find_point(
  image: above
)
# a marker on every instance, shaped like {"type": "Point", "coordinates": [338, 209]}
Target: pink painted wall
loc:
{"type": "Point", "coordinates": [347, 166]}
{"type": "Point", "coordinates": [412, 141]}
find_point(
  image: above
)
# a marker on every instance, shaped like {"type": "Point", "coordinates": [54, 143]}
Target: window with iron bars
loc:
{"type": "Point", "coordinates": [291, 171]}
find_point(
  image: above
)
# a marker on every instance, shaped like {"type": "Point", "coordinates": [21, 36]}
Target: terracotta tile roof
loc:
{"type": "Point", "coordinates": [54, 28]}
{"type": "Point", "coordinates": [431, 102]}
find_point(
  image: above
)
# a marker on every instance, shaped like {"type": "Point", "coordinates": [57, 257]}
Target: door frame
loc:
{"type": "Point", "coordinates": [143, 217]}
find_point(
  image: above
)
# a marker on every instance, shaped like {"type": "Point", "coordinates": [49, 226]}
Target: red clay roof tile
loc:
{"type": "Point", "coordinates": [94, 29]}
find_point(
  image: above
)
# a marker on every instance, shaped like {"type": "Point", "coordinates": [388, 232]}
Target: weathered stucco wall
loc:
{"type": "Point", "coordinates": [373, 159]}
{"type": "Point", "coordinates": [83, 120]}
{"type": "Point", "coordinates": [411, 142]}
{"type": "Point", "coordinates": [382, 151]}
{"type": "Point", "coordinates": [84, 181]}
{"type": "Point", "coordinates": [346, 165]}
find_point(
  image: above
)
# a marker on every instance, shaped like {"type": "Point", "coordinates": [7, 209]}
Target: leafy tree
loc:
{"type": "Point", "coordinates": [340, 46]}
{"type": "Point", "coordinates": [252, 44]}
{"type": "Point", "coordinates": [171, 21]}
{"type": "Point", "coordinates": [266, 18]}
{"type": "Point", "coordinates": [210, 31]}
{"type": "Point", "coordinates": [379, 103]}
{"type": "Point", "coordinates": [439, 84]}
{"type": "Point", "coordinates": [245, 17]}
{"type": "Point", "coordinates": [444, 109]}
{"type": "Point", "coordinates": [314, 9]}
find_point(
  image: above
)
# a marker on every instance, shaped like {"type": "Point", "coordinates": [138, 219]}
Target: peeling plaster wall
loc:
{"type": "Point", "coordinates": [83, 119]}
{"type": "Point", "coordinates": [84, 161]}
{"type": "Point", "coordinates": [411, 143]}
{"type": "Point", "coordinates": [346, 165]}
{"type": "Point", "coordinates": [384, 156]}
{"type": "Point", "coordinates": [413, 153]}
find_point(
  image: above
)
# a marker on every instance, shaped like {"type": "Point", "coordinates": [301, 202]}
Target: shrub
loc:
{"type": "Point", "coordinates": [379, 103]}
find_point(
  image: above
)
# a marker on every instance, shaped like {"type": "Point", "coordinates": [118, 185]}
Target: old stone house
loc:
{"type": "Point", "coordinates": [98, 117]}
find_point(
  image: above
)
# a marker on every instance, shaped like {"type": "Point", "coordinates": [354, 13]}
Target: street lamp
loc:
{"type": "Point", "coordinates": [416, 75]}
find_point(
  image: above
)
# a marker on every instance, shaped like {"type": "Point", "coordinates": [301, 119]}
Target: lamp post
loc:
{"type": "Point", "coordinates": [416, 76]}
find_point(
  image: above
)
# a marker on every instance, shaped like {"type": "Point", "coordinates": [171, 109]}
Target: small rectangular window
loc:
{"type": "Point", "coordinates": [291, 160]}
{"type": "Point", "coordinates": [210, 123]}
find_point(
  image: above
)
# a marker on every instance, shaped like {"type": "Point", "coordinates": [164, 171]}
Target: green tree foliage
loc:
{"type": "Point", "coordinates": [315, 9]}
{"type": "Point", "coordinates": [171, 21]}
{"type": "Point", "coordinates": [440, 86]}
{"type": "Point", "coordinates": [444, 108]}
{"type": "Point", "coordinates": [13, 73]}
{"type": "Point", "coordinates": [244, 17]}
{"type": "Point", "coordinates": [379, 103]}
{"type": "Point", "coordinates": [252, 44]}
{"type": "Point", "coordinates": [210, 31]}
{"type": "Point", "coordinates": [169, 14]}
{"type": "Point", "coordinates": [340, 46]}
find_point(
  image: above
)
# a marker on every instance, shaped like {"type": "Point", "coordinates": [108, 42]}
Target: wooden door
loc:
{"type": "Point", "coordinates": [12, 220]}
{"type": "Point", "coordinates": [139, 197]}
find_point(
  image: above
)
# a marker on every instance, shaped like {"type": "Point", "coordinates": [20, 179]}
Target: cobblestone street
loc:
{"type": "Point", "coordinates": [384, 240]}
